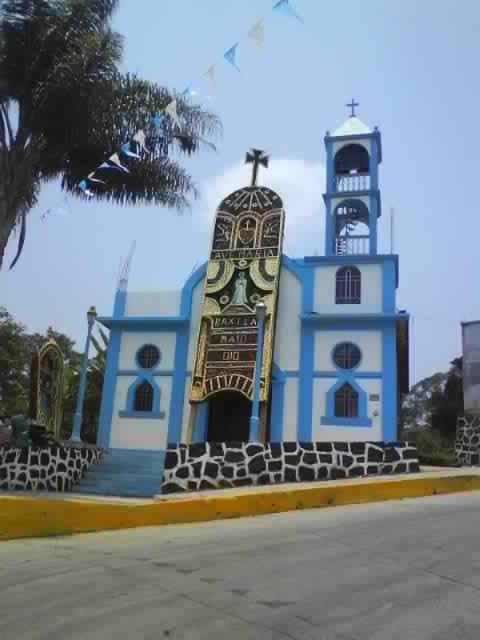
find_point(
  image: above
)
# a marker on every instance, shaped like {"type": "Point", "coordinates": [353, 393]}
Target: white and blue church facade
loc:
{"type": "Point", "coordinates": [339, 345]}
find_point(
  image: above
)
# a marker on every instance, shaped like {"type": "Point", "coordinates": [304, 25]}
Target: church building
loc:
{"type": "Point", "coordinates": [262, 347]}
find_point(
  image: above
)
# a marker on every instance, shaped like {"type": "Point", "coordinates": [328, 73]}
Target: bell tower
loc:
{"type": "Point", "coordinates": [352, 198]}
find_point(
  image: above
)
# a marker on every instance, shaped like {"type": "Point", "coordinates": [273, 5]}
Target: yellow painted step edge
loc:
{"type": "Point", "coordinates": [26, 517]}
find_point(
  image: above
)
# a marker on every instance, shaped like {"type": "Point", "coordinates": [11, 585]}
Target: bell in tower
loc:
{"type": "Point", "coordinates": [352, 199]}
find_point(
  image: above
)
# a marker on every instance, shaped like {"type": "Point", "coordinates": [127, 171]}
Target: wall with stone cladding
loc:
{"type": "Point", "coordinates": [467, 441]}
{"type": "Point", "coordinates": [49, 469]}
{"type": "Point", "coordinates": [221, 465]}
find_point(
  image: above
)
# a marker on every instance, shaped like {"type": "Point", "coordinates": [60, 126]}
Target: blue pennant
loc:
{"type": "Point", "coordinates": [230, 56]}
{"type": "Point", "coordinates": [284, 7]}
{"type": "Point", "coordinates": [125, 149]}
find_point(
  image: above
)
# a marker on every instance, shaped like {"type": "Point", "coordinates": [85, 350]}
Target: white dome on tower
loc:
{"type": "Point", "coordinates": [351, 127]}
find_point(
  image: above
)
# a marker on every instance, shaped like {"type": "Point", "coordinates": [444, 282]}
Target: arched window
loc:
{"type": "Point", "coordinates": [346, 355]}
{"type": "Point", "coordinates": [351, 159]}
{"type": "Point", "coordinates": [346, 402]}
{"type": "Point", "coordinates": [148, 356]}
{"type": "Point", "coordinates": [143, 397]}
{"type": "Point", "coordinates": [348, 286]}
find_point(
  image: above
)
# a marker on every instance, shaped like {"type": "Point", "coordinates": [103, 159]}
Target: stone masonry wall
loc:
{"type": "Point", "coordinates": [467, 441]}
{"type": "Point", "coordinates": [215, 466]}
{"type": "Point", "coordinates": [50, 469]}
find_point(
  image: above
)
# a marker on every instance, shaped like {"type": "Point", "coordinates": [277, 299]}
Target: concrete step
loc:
{"type": "Point", "coordinates": [125, 474]}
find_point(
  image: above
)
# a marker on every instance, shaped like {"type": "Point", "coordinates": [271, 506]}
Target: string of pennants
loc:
{"type": "Point", "coordinates": [136, 148]}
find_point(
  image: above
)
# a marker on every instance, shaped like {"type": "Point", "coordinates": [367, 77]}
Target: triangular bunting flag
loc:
{"type": "Point", "coordinates": [284, 7]}
{"type": "Point", "coordinates": [84, 187]}
{"type": "Point", "coordinates": [230, 56]}
{"type": "Point", "coordinates": [256, 35]}
{"type": "Point", "coordinates": [92, 179]}
{"type": "Point", "coordinates": [125, 149]}
{"type": "Point", "coordinates": [189, 91]}
{"type": "Point", "coordinates": [171, 109]}
{"type": "Point", "coordinates": [140, 139]}
{"type": "Point", "coordinates": [115, 160]}
{"type": "Point", "coordinates": [210, 74]}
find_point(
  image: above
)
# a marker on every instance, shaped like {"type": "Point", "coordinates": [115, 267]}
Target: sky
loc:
{"type": "Point", "coordinates": [412, 66]}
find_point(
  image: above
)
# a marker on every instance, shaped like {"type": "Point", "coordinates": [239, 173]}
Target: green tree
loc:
{"type": "Point", "coordinates": [447, 405]}
{"type": "Point", "coordinates": [65, 108]}
{"type": "Point", "coordinates": [14, 373]}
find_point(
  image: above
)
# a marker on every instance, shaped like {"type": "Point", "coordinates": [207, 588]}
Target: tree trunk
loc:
{"type": "Point", "coordinates": [5, 229]}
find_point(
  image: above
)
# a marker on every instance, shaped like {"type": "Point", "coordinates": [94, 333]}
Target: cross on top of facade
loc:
{"type": "Point", "coordinates": [256, 157]}
{"type": "Point", "coordinates": [352, 106]}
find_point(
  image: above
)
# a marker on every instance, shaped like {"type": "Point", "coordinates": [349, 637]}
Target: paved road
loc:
{"type": "Point", "coordinates": [398, 570]}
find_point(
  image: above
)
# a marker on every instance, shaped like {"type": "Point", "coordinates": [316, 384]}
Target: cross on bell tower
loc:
{"type": "Point", "coordinates": [352, 106]}
{"type": "Point", "coordinates": [256, 157]}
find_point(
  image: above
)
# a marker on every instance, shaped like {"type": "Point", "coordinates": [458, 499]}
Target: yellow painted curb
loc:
{"type": "Point", "coordinates": [27, 517]}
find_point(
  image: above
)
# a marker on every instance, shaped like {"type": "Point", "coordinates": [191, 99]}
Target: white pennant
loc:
{"type": "Point", "coordinates": [172, 111]}
{"type": "Point", "coordinates": [211, 76]}
{"type": "Point", "coordinates": [140, 138]}
{"type": "Point", "coordinates": [116, 161]}
{"type": "Point", "coordinates": [256, 34]}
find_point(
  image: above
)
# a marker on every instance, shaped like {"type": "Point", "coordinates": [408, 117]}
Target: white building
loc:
{"type": "Point", "coordinates": [339, 345]}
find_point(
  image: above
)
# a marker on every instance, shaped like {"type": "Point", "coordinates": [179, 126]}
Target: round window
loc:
{"type": "Point", "coordinates": [148, 357]}
{"type": "Point", "coordinates": [346, 355]}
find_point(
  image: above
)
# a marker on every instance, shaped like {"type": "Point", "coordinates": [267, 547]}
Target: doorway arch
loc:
{"type": "Point", "coordinates": [229, 417]}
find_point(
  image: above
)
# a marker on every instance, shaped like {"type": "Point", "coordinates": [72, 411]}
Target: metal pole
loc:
{"type": "Point", "coordinates": [77, 418]}
{"type": "Point", "coordinates": [254, 419]}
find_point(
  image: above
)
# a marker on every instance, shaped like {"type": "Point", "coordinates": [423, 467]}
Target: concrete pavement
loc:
{"type": "Point", "coordinates": [396, 570]}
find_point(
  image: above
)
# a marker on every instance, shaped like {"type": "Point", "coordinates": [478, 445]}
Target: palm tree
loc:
{"type": "Point", "coordinates": [65, 109]}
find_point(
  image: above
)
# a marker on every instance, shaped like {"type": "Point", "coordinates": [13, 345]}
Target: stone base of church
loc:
{"type": "Point", "coordinates": [209, 466]}
{"type": "Point", "coordinates": [47, 469]}
{"type": "Point", "coordinates": [467, 441]}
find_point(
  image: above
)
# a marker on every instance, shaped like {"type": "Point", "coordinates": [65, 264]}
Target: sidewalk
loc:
{"type": "Point", "coordinates": [35, 514]}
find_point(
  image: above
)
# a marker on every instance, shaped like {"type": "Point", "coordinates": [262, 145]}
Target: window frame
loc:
{"type": "Point", "coordinates": [353, 347]}
{"type": "Point", "coordinates": [156, 362]}
{"type": "Point", "coordinates": [350, 402]}
{"type": "Point", "coordinates": [348, 290]}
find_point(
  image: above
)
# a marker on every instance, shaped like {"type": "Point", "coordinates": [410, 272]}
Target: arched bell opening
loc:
{"type": "Point", "coordinates": [352, 230]}
{"type": "Point", "coordinates": [352, 168]}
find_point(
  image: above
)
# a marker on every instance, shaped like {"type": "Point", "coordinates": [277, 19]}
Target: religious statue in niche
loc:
{"type": "Point", "coordinates": [240, 295]}
{"type": "Point", "coordinates": [244, 268]}
{"type": "Point", "coordinates": [46, 387]}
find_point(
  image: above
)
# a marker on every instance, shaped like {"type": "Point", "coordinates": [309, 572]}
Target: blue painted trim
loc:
{"type": "Point", "coordinates": [374, 136]}
{"type": "Point", "coordinates": [374, 163]}
{"type": "Point", "coordinates": [362, 420]}
{"type": "Point", "coordinates": [341, 196]}
{"type": "Point", "coordinates": [389, 384]}
{"type": "Point", "coordinates": [305, 390]}
{"type": "Point", "coordinates": [155, 372]}
{"type": "Point", "coordinates": [200, 431]}
{"type": "Point", "coordinates": [367, 375]}
{"type": "Point", "coordinates": [181, 356]}
{"type": "Point", "coordinates": [142, 414]}
{"type": "Point", "coordinates": [129, 412]}
{"type": "Point", "coordinates": [346, 422]}
{"type": "Point", "coordinates": [145, 323]}
{"type": "Point", "coordinates": [388, 286]}
{"type": "Point", "coordinates": [330, 168]}
{"type": "Point", "coordinates": [329, 230]}
{"type": "Point", "coordinates": [154, 346]}
{"type": "Point", "coordinates": [334, 320]}
{"type": "Point", "coordinates": [372, 224]}
{"type": "Point", "coordinates": [110, 378]}
{"type": "Point", "coordinates": [295, 266]}
{"type": "Point", "coordinates": [278, 401]}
